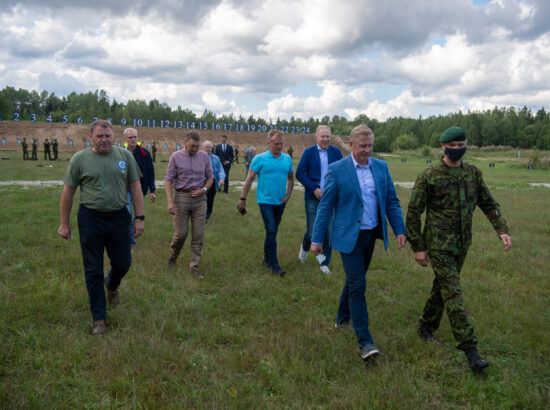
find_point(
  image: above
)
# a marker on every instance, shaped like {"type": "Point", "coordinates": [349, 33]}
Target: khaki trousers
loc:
{"type": "Point", "coordinates": [187, 208]}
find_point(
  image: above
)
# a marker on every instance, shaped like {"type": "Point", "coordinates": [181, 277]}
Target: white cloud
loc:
{"type": "Point", "coordinates": [260, 56]}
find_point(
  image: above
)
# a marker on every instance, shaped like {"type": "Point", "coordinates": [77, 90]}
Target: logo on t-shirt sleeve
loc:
{"type": "Point", "coordinates": [122, 165]}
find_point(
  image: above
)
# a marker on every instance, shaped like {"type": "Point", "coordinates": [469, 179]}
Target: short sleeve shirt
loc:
{"type": "Point", "coordinates": [104, 179]}
{"type": "Point", "coordinates": [272, 176]}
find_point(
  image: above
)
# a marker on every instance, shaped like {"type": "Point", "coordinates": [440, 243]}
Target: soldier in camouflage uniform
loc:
{"type": "Point", "coordinates": [449, 191]}
{"type": "Point", "coordinates": [55, 149]}
{"type": "Point", "coordinates": [34, 149]}
{"type": "Point", "coordinates": [25, 147]}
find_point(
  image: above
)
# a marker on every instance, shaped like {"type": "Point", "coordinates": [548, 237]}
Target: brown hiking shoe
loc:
{"type": "Point", "coordinates": [99, 328]}
{"type": "Point", "coordinates": [113, 296]}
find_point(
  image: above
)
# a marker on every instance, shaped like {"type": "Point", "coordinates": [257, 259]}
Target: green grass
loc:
{"type": "Point", "coordinates": [241, 338]}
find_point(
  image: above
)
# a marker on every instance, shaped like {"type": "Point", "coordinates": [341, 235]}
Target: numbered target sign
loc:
{"type": "Point", "coordinates": [64, 118]}
{"type": "Point", "coordinates": [109, 120]}
{"type": "Point", "coordinates": [95, 118]}
{"type": "Point", "coordinates": [32, 118]}
{"type": "Point", "coordinates": [49, 118]}
{"type": "Point", "coordinates": [79, 120]}
{"type": "Point", "coordinates": [137, 122]}
{"type": "Point", "coordinates": [123, 121]}
{"type": "Point", "coordinates": [16, 116]}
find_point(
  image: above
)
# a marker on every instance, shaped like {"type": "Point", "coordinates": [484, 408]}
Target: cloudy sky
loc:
{"type": "Point", "coordinates": [275, 58]}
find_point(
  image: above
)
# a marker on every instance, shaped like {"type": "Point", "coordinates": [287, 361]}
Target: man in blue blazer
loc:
{"type": "Point", "coordinates": [311, 173]}
{"type": "Point", "coordinates": [359, 191]}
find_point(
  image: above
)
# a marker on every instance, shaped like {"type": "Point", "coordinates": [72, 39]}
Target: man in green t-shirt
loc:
{"type": "Point", "coordinates": [105, 174]}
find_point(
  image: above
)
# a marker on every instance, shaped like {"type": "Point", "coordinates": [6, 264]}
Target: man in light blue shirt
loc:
{"type": "Point", "coordinates": [275, 184]}
{"type": "Point", "coordinates": [219, 177]}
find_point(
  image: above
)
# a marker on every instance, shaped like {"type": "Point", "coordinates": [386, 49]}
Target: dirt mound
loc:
{"type": "Point", "coordinates": [73, 137]}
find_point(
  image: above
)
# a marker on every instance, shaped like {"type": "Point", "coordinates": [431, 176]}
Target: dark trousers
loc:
{"type": "Point", "coordinates": [100, 231]}
{"type": "Point", "coordinates": [271, 214]}
{"type": "Point", "coordinates": [353, 304]}
{"type": "Point", "coordinates": [446, 294]}
{"type": "Point", "coordinates": [226, 169]}
{"type": "Point", "coordinates": [311, 205]}
{"type": "Point", "coordinates": [25, 155]}
{"type": "Point", "coordinates": [210, 195]}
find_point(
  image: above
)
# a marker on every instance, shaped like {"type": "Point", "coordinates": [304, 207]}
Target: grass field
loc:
{"type": "Point", "coordinates": [243, 339]}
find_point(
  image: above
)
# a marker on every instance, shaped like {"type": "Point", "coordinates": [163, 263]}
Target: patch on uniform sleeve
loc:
{"type": "Point", "coordinates": [413, 196]}
{"type": "Point", "coordinates": [122, 165]}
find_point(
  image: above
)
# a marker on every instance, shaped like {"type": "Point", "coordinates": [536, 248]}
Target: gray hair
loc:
{"type": "Point", "coordinates": [360, 130]}
{"type": "Point", "coordinates": [274, 132]}
{"type": "Point", "coordinates": [127, 130]}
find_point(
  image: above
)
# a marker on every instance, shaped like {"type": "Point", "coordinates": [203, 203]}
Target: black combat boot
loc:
{"type": "Point", "coordinates": [426, 334]}
{"type": "Point", "coordinates": [474, 360]}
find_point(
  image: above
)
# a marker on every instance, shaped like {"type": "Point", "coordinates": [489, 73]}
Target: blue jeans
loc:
{"type": "Point", "coordinates": [100, 231]}
{"type": "Point", "coordinates": [311, 212]}
{"type": "Point", "coordinates": [353, 304]}
{"type": "Point", "coordinates": [271, 215]}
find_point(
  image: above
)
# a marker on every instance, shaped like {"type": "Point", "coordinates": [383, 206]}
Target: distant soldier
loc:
{"type": "Point", "coordinates": [290, 151]}
{"type": "Point", "coordinates": [47, 150]}
{"type": "Point", "coordinates": [35, 149]}
{"type": "Point", "coordinates": [55, 148]}
{"type": "Point", "coordinates": [236, 154]}
{"type": "Point", "coordinates": [449, 191]}
{"type": "Point", "coordinates": [25, 147]}
{"type": "Point", "coordinates": [154, 151]}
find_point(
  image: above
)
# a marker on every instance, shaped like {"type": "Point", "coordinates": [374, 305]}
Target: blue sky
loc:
{"type": "Point", "coordinates": [275, 58]}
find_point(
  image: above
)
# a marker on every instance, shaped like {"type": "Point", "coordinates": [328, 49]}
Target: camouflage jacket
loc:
{"type": "Point", "coordinates": [449, 197]}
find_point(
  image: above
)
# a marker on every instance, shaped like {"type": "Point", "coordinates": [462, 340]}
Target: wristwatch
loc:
{"type": "Point", "coordinates": [142, 217]}
{"type": "Point", "coordinates": [205, 189]}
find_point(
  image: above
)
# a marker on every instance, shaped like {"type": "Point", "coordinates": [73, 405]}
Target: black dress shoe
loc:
{"type": "Point", "coordinates": [474, 360]}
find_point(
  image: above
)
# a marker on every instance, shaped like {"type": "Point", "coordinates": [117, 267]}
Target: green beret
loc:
{"type": "Point", "coordinates": [453, 134]}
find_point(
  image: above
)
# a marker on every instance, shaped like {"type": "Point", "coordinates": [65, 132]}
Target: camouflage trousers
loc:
{"type": "Point", "coordinates": [446, 293]}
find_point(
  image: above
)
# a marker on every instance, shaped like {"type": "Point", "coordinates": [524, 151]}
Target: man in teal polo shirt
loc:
{"type": "Point", "coordinates": [275, 184]}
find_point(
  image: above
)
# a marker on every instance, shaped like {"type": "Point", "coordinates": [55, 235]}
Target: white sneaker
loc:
{"type": "Point", "coordinates": [302, 255]}
{"type": "Point", "coordinates": [325, 270]}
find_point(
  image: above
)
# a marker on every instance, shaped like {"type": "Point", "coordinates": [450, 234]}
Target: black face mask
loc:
{"type": "Point", "coordinates": [454, 154]}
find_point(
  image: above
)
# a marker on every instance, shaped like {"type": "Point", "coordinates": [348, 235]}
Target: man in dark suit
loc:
{"type": "Point", "coordinates": [225, 152]}
{"type": "Point", "coordinates": [359, 192]}
{"type": "Point", "coordinates": [311, 173]}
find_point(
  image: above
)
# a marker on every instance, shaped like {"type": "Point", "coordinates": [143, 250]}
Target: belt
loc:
{"type": "Point", "coordinates": [183, 190]}
{"type": "Point", "coordinates": [120, 211]}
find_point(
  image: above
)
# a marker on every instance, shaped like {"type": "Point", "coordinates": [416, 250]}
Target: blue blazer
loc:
{"type": "Point", "coordinates": [343, 197]}
{"type": "Point", "coordinates": [309, 167]}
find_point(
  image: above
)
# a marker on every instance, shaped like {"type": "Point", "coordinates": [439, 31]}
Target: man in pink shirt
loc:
{"type": "Point", "coordinates": [190, 173]}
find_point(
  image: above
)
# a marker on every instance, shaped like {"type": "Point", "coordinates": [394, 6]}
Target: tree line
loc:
{"type": "Point", "coordinates": [502, 126]}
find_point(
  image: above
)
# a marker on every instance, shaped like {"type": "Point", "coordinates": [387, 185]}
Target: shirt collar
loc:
{"type": "Point", "coordinates": [321, 149]}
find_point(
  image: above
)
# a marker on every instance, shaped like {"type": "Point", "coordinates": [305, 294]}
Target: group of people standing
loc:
{"type": "Point", "coordinates": [348, 203]}
{"type": "Point", "coordinates": [49, 148]}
